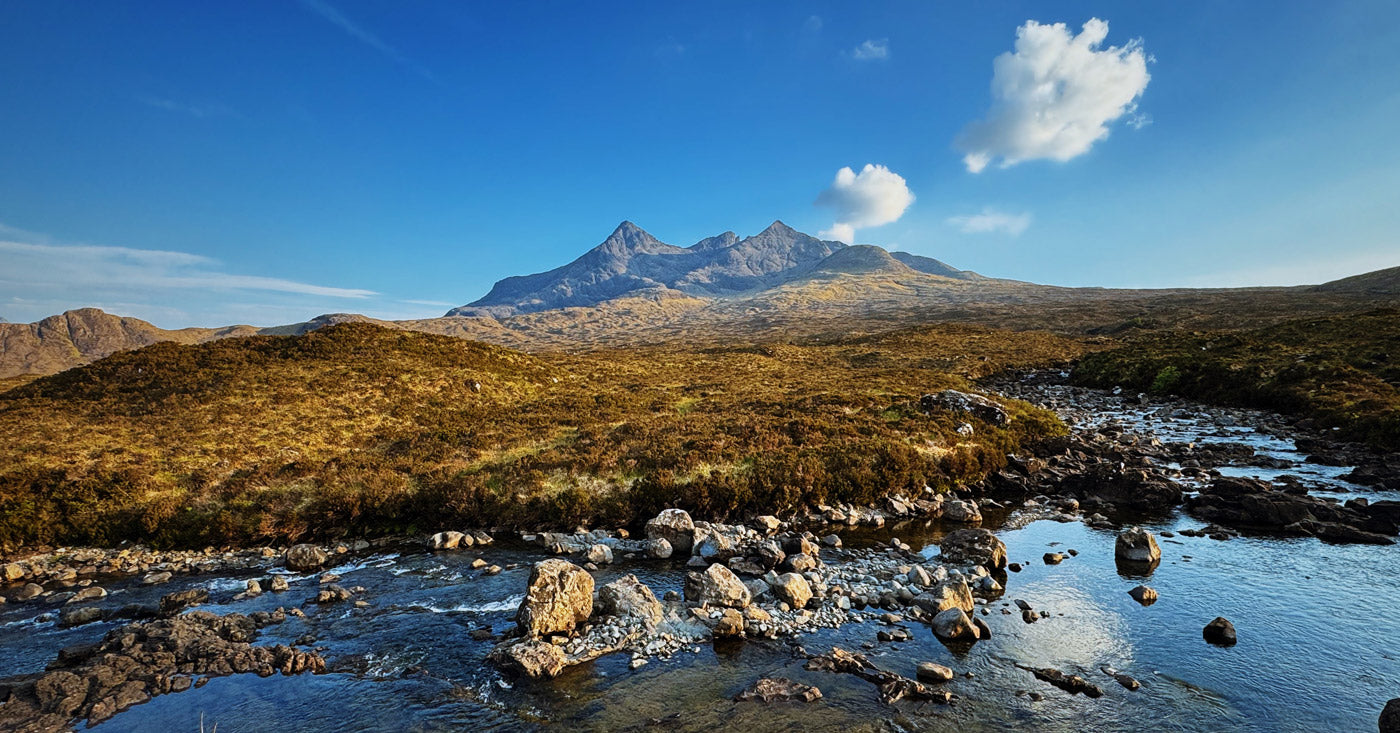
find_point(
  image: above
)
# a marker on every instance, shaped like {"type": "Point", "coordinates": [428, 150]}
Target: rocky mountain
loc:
{"type": "Point", "coordinates": [779, 284]}
{"type": "Point", "coordinates": [631, 262]}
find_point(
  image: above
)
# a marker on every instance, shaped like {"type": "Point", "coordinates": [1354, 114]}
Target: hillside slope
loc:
{"type": "Point", "coordinates": [356, 428]}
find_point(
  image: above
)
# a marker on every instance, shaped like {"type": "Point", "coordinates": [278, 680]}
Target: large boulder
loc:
{"type": "Point", "coordinates": [674, 526]}
{"type": "Point", "coordinates": [531, 658]}
{"type": "Point", "coordinates": [951, 400]}
{"type": "Point", "coordinates": [954, 625]}
{"type": "Point", "coordinates": [450, 540]}
{"type": "Point", "coordinates": [1390, 717]}
{"type": "Point", "coordinates": [13, 571]}
{"type": "Point", "coordinates": [974, 547]}
{"type": "Point", "coordinates": [792, 589]}
{"type": "Point", "coordinates": [305, 558]}
{"type": "Point", "coordinates": [628, 597]}
{"type": "Point", "coordinates": [951, 593]}
{"type": "Point", "coordinates": [717, 586]}
{"type": "Point", "coordinates": [559, 597]}
{"type": "Point", "coordinates": [1137, 545]}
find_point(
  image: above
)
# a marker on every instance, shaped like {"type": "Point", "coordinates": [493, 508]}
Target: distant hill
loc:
{"type": "Point", "coordinates": [1380, 282]}
{"type": "Point", "coordinates": [779, 284]}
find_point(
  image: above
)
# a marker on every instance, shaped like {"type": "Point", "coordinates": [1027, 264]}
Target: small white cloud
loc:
{"type": "Point", "coordinates": [872, 50]}
{"type": "Point", "coordinates": [991, 221]}
{"type": "Point", "coordinates": [1056, 95]}
{"type": "Point", "coordinates": [875, 196]}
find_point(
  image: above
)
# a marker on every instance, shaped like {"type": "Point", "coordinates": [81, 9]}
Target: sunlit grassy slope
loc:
{"type": "Point", "coordinates": [359, 429]}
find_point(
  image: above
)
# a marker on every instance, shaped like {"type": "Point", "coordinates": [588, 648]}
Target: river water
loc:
{"type": "Point", "coordinates": [1319, 641]}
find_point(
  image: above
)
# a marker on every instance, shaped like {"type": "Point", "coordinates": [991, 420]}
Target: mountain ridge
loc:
{"type": "Point", "coordinates": [631, 262]}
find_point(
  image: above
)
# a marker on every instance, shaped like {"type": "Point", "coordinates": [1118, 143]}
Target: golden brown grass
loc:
{"type": "Point", "coordinates": [357, 429]}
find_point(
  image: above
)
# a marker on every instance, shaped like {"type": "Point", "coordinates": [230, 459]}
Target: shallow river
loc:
{"type": "Point", "coordinates": [1319, 643]}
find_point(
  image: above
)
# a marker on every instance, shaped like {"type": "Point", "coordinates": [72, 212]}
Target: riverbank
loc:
{"type": "Point", "coordinates": [381, 624]}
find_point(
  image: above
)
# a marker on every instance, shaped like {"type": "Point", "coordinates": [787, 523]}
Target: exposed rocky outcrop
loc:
{"type": "Point", "coordinates": [134, 663]}
{"type": "Point", "coordinates": [1251, 504]}
{"type": "Point", "coordinates": [776, 689]}
{"type": "Point", "coordinates": [893, 687]}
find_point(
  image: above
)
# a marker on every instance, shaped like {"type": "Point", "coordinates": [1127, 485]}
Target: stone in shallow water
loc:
{"type": "Point", "coordinates": [1219, 632]}
{"type": "Point", "coordinates": [1137, 545]}
{"type": "Point", "coordinates": [776, 689]}
{"type": "Point", "coordinates": [559, 596]}
{"type": "Point", "coordinates": [1144, 595]}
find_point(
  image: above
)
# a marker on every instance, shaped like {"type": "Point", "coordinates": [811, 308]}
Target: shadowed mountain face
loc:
{"type": "Point", "coordinates": [631, 262]}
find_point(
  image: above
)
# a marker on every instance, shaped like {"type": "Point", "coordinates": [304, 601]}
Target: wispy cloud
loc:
{"type": "Point", "coordinates": [363, 35]}
{"type": "Point", "coordinates": [991, 221]}
{"type": "Point", "coordinates": [872, 50]}
{"type": "Point", "coordinates": [86, 267]}
{"type": "Point", "coordinates": [194, 110]}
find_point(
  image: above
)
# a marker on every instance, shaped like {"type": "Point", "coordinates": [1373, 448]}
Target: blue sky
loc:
{"type": "Point", "coordinates": [212, 163]}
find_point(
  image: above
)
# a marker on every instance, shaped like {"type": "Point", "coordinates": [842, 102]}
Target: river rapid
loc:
{"type": "Point", "coordinates": [1318, 624]}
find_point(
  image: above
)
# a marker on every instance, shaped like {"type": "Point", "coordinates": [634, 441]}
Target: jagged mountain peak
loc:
{"type": "Point", "coordinates": [631, 262]}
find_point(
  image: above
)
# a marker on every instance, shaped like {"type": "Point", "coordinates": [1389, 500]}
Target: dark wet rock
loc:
{"type": "Point", "coordinates": [77, 616]}
{"type": "Point", "coordinates": [333, 593]}
{"type": "Point", "coordinates": [779, 689]}
{"type": "Point", "coordinates": [140, 661]}
{"type": "Point", "coordinates": [930, 672]}
{"type": "Point", "coordinates": [1144, 595]}
{"type": "Point", "coordinates": [1073, 684]}
{"type": "Point", "coordinates": [1127, 681]}
{"type": "Point", "coordinates": [1219, 632]}
{"type": "Point", "coordinates": [893, 687]}
{"type": "Point", "coordinates": [173, 603]}
{"type": "Point", "coordinates": [530, 658]}
{"type": "Point", "coordinates": [559, 596]}
{"type": "Point", "coordinates": [305, 558]}
{"type": "Point", "coordinates": [716, 586]}
{"type": "Point", "coordinates": [973, 547]}
{"type": "Point", "coordinates": [1390, 717]}
{"type": "Point", "coordinates": [1252, 504]}
{"type": "Point", "coordinates": [951, 400]}
{"type": "Point", "coordinates": [1053, 558]}
{"type": "Point", "coordinates": [1124, 487]}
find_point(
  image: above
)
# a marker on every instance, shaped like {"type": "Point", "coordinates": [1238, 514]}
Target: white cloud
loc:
{"type": "Point", "coordinates": [875, 196]}
{"type": "Point", "coordinates": [872, 50]}
{"type": "Point", "coordinates": [86, 267]}
{"type": "Point", "coordinates": [1056, 95]}
{"type": "Point", "coordinates": [991, 221]}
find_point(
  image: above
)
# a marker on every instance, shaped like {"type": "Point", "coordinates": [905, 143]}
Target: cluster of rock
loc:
{"type": "Point", "coordinates": [1253, 504]}
{"type": "Point", "coordinates": [454, 540]}
{"type": "Point", "coordinates": [65, 569]}
{"type": "Point", "coordinates": [136, 662]}
{"type": "Point", "coordinates": [1103, 468]}
{"type": "Point", "coordinates": [789, 591]}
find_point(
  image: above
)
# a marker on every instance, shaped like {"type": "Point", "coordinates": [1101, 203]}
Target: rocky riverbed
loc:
{"type": "Point", "coordinates": [1079, 588]}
